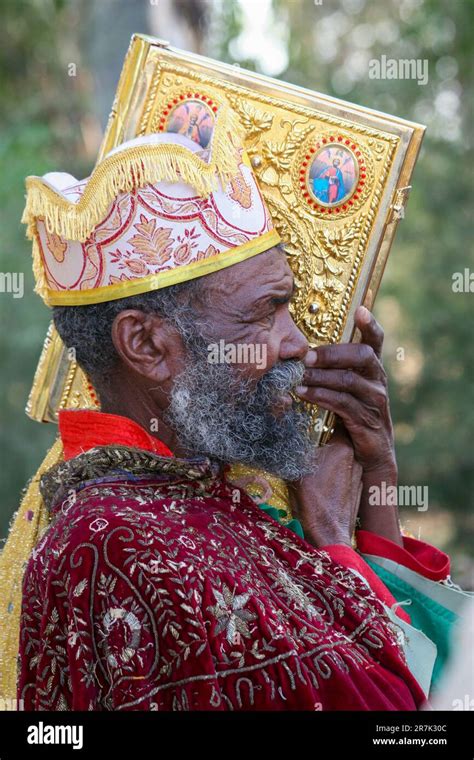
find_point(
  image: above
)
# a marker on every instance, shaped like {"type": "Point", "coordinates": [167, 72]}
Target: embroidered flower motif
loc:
{"type": "Point", "coordinates": [152, 243]}
{"type": "Point", "coordinates": [297, 594]}
{"type": "Point", "coordinates": [211, 250]}
{"type": "Point", "coordinates": [124, 260]}
{"type": "Point", "coordinates": [187, 243]}
{"type": "Point", "coordinates": [182, 253]}
{"type": "Point", "coordinates": [137, 266]}
{"type": "Point", "coordinates": [131, 635]}
{"type": "Point", "coordinates": [113, 280]}
{"type": "Point", "coordinates": [230, 613]}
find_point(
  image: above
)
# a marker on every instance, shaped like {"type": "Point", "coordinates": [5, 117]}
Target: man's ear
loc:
{"type": "Point", "coordinates": [147, 344]}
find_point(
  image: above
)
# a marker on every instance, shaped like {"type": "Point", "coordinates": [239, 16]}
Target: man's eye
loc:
{"type": "Point", "coordinates": [265, 317]}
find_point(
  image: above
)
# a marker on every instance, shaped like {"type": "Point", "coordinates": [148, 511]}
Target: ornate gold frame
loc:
{"type": "Point", "coordinates": [338, 257]}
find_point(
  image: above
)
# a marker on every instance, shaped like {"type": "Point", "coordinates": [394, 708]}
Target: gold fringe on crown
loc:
{"type": "Point", "coordinates": [126, 170]}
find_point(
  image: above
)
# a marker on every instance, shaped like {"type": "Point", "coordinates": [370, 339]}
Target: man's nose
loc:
{"type": "Point", "coordinates": [295, 344]}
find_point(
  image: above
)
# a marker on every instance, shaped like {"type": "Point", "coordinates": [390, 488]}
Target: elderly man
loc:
{"type": "Point", "coordinates": [160, 584]}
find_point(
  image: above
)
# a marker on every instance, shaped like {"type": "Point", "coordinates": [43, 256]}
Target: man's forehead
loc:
{"type": "Point", "coordinates": [269, 269]}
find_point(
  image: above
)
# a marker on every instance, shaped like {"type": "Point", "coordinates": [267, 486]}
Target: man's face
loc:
{"type": "Point", "coordinates": [250, 305]}
{"type": "Point", "coordinates": [241, 410]}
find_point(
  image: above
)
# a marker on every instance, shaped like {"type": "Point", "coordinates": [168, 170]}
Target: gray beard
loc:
{"type": "Point", "coordinates": [216, 412]}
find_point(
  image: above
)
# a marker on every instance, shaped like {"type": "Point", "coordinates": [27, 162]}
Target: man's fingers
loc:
{"type": "Point", "coordinates": [371, 392]}
{"type": "Point", "coordinates": [371, 331]}
{"type": "Point", "coordinates": [357, 356]}
{"type": "Point", "coordinates": [364, 357]}
{"type": "Point", "coordinates": [353, 412]}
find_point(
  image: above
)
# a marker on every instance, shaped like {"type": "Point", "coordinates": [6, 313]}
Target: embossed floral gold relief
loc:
{"type": "Point", "coordinates": [328, 171]}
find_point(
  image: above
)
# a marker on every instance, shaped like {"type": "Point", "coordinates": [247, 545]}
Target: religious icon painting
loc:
{"type": "Point", "coordinates": [333, 175]}
{"type": "Point", "coordinates": [192, 118]}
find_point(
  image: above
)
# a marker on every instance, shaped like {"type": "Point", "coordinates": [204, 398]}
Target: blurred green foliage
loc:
{"type": "Point", "coordinates": [325, 47]}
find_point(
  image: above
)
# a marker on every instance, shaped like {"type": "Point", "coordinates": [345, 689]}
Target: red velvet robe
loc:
{"type": "Point", "coordinates": [159, 585]}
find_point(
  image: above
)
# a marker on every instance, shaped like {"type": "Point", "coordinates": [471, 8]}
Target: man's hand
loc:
{"type": "Point", "coordinates": [327, 501]}
{"type": "Point", "coordinates": [349, 380]}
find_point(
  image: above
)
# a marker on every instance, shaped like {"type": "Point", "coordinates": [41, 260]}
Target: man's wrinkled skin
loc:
{"type": "Point", "coordinates": [250, 304]}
